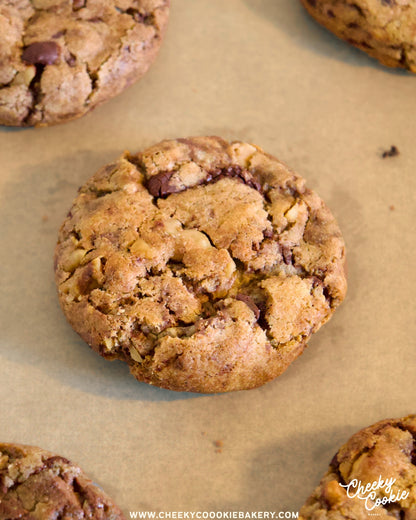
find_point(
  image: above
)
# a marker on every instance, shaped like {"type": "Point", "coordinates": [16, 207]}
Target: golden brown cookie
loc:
{"type": "Point", "coordinates": [384, 29]}
{"type": "Point", "coordinates": [37, 485]}
{"type": "Point", "coordinates": [203, 264]}
{"type": "Point", "coordinates": [372, 476]}
{"type": "Point", "coordinates": [61, 58]}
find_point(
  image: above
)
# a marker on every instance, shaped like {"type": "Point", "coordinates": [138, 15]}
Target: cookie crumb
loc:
{"type": "Point", "coordinates": [392, 208]}
{"type": "Point", "coordinates": [218, 446]}
{"type": "Point", "coordinates": [393, 152]}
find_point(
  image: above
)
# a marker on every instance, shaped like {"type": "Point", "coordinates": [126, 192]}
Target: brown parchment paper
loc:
{"type": "Point", "coordinates": [261, 71]}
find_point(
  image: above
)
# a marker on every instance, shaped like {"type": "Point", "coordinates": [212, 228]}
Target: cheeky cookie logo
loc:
{"type": "Point", "coordinates": [375, 494]}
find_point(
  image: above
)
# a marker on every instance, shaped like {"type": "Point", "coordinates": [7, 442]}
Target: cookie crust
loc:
{"type": "Point", "coordinates": [61, 58]}
{"type": "Point", "coordinates": [386, 449]}
{"type": "Point", "coordinates": [35, 484]}
{"type": "Point", "coordinates": [384, 29]}
{"type": "Point", "coordinates": [203, 264]}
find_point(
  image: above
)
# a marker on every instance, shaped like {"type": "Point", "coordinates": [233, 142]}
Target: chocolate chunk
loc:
{"type": "Point", "coordinates": [41, 53]}
{"type": "Point", "coordinates": [237, 172]}
{"type": "Point", "coordinates": [393, 152]}
{"type": "Point", "coordinates": [248, 300]}
{"type": "Point", "coordinates": [158, 185]}
{"type": "Point", "coordinates": [249, 179]}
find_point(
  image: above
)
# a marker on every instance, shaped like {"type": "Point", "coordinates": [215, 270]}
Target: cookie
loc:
{"type": "Point", "coordinates": [37, 485]}
{"type": "Point", "coordinates": [372, 476]}
{"type": "Point", "coordinates": [203, 264]}
{"type": "Point", "coordinates": [384, 29]}
{"type": "Point", "coordinates": [61, 58]}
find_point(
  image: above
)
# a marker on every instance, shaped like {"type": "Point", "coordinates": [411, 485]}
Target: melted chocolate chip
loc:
{"type": "Point", "coordinates": [158, 185]}
{"type": "Point", "coordinates": [236, 172]}
{"type": "Point", "coordinates": [41, 53]}
{"type": "Point", "coordinates": [248, 300]}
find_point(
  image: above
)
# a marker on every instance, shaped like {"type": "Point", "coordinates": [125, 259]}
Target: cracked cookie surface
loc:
{"type": "Point", "coordinates": [382, 453]}
{"type": "Point", "coordinates": [203, 264]}
{"type": "Point", "coordinates": [384, 29]}
{"type": "Point", "coordinates": [61, 58]}
{"type": "Point", "coordinates": [37, 485]}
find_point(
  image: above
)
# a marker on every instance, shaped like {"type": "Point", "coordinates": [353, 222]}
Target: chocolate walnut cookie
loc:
{"type": "Point", "coordinates": [61, 58]}
{"type": "Point", "coordinates": [36, 485]}
{"type": "Point", "coordinates": [372, 476]}
{"type": "Point", "coordinates": [203, 264]}
{"type": "Point", "coordinates": [384, 29]}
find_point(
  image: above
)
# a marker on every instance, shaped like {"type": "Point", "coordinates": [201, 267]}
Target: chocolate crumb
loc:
{"type": "Point", "coordinates": [393, 152]}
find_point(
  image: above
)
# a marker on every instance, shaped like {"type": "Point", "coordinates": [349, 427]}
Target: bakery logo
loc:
{"type": "Point", "coordinates": [369, 492]}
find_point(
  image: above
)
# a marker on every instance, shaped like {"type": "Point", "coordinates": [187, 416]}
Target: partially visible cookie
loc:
{"type": "Point", "coordinates": [37, 485]}
{"type": "Point", "coordinates": [384, 29]}
{"type": "Point", "coordinates": [372, 476]}
{"type": "Point", "coordinates": [205, 265]}
{"type": "Point", "coordinates": [61, 58]}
